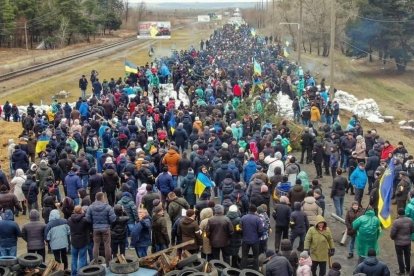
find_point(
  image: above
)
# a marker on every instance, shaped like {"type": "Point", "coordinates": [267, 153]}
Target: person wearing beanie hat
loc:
{"type": "Point", "coordinates": [320, 199]}
{"type": "Point", "coordinates": [277, 265]}
{"type": "Point", "coordinates": [402, 189]}
{"type": "Point", "coordinates": [401, 231]}
{"type": "Point", "coordinates": [79, 240]}
{"type": "Point", "coordinates": [353, 213]}
{"type": "Point", "coordinates": [335, 270]}
{"type": "Point", "coordinates": [281, 214]}
{"type": "Point", "coordinates": [305, 264]}
{"type": "Point", "coordinates": [175, 206]}
{"type": "Point", "coordinates": [219, 230]}
{"type": "Point", "coordinates": [252, 230]}
{"type": "Point", "coordinates": [33, 234]}
{"type": "Point", "coordinates": [371, 266]}
{"type": "Point", "coordinates": [188, 186]}
{"type": "Point", "coordinates": [130, 209]}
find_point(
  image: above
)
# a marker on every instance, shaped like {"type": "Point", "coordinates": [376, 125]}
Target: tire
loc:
{"type": "Point", "coordinates": [173, 273]}
{"type": "Point", "coordinates": [200, 274]}
{"type": "Point", "coordinates": [187, 261]}
{"type": "Point", "coordinates": [4, 271]}
{"type": "Point", "coordinates": [187, 272]}
{"type": "Point", "coordinates": [92, 270]}
{"type": "Point", "coordinates": [99, 261]}
{"type": "Point", "coordinates": [131, 266]}
{"type": "Point", "coordinates": [30, 260]}
{"type": "Point", "coordinates": [16, 267]}
{"type": "Point", "coordinates": [219, 265]}
{"type": "Point", "coordinates": [250, 272]}
{"type": "Point", "coordinates": [199, 264]}
{"type": "Point", "coordinates": [230, 271]}
{"type": "Point", "coordinates": [7, 261]}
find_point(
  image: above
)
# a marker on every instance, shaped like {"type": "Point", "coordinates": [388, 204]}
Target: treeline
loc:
{"type": "Point", "coordinates": [56, 23]}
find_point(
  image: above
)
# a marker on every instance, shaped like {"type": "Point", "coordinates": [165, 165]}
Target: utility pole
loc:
{"type": "Point", "coordinates": [332, 51]}
{"type": "Point", "coordinates": [25, 35]}
{"type": "Point", "coordinates": [126, 11]}
{"type": "Point", "coordinates": [300, 30]}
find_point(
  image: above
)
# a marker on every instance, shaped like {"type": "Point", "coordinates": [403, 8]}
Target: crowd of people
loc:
{"type": "Point", "coordinates": [136, 172]}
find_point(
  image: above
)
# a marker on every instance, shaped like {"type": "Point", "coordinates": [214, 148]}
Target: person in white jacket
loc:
{"type": "Point", "coordinates": [273, 161]}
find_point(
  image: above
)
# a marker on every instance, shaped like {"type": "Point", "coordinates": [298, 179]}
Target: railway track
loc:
{"type": "Point", "coordinates": [58, 61]}
{"type": "Point", "coordinates": [45, 65]}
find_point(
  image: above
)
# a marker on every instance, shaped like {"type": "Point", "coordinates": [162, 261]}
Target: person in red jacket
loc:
{"type": "Point", "coordinates": [387, 151]}
{"type": "Point", "coordinates": [237, 90]}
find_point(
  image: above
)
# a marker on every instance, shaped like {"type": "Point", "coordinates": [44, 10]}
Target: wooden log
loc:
{"type": "Point", "coordinates": [50, 267]}
{"type": "Point", "coordinates": [159, 253]}
{"type": "Point", "coordinates": [121, 259]}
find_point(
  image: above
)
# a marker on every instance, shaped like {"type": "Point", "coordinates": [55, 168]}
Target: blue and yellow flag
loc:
{"type": "Point", "coordinates": [41, 144]}
{"type": "Point", "coordinates": [257, 69]}
{"type": "Point", "coordinates": [202, 183]}
{"type": "Point", "coordinates": [172, 123]}
{"type": "Point", "coordinates": [130, 67]}
{"type": "Point", "coordinates": [385, 193]}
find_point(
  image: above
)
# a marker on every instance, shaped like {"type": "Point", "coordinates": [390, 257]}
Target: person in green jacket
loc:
{"type": "Point", "coordinates": [303, 176]}
{"type": "Point", "coordinates": [368, 231]}
{"type": "Point", "coordinates": [409, 212]}
{"type": "Point", "coordinates": [154, 80]}
{"type": "Point", "coordinates": [320, 245]}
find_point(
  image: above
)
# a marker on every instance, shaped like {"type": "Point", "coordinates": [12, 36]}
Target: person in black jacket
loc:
{"type": "Point", "coordinates": [299, 225]}
{"type": "Point", "coordinates": [317, 156]}
{"type": "Point", "coordinates": [79, 237]}
{"type": "Point", "coordinates": [340, 183]}
{"type": "Point", "coordinates": [95, 183]}
{"type": "Point", "coordinates": [119, 231]}
{"type": "Point", "coordinates": [371, 165]}
{"type": "Point", "coordinates": [83, 84]}
{"type": "Point", "coordinates": [306, 141]}
{"type": "Point", "coordinates": [281, 214]}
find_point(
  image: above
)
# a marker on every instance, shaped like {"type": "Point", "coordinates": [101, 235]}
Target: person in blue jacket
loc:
{"type": "Point", "coordinates": [84, 110]}
{"type": "Point", "coordinates": [164, 184]}
{"type": "Point", "coordinates": [9, 232]}
{"type": "Point", "coordinates": [359, 180]}
{"type": "Point", "coordinates": [249, 170]}
{"type": "Point", "coordinates": [141, 233]}
{"type": "Point", "coordinates": [73, 183]}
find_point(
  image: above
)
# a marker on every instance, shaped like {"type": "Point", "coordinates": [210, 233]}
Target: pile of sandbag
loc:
{"type": "Point", "coordinates": [407, 125]}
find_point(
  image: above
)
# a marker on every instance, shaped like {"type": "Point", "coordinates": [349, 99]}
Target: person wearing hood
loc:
{"type": "Point", "coordinates": [359, 179]}
{"type": "Point", "coordinates": [140, 193]}
{"type": "Point", "coordinates": [319, 243]}
{"type": "Point", "coordinates": [236, 237]}
{"type": "Point", "coordinates": [33, 234]}
{"type": "Point", "coordinates": [130, 209]}
{"type": "Point", "coordinates": [367, 228]}
{"type": "Point", "coordinates": [57, 232]}
{"type": "Point", "coordinates": [9, 232]}
{"type": "Point", "coordinates": [188, 229]}
{"type": "Point", "coordinates": [371, 266]}
{"type": "Point", "coordinates": [175, 205]}
{"type": "Point", "coordinates": [206, 249]}
{"type": "Point", "coordinates": [19, 159]}
{"type": "Point", "coordinates": [305, 264]}
{"type": "Point", "coordinates": [17, 183]}
{"type": "Point", "coordinates": [160, 238]}
{"type": "Point", "coordinates": [110, 184]}
{"type": "Point", "coordinates": [188, 186]}
{"type": "Point", "coordinates": [401, 231]}
{"type": "Point", "coordinates": [79, 239]}
{"type": "Point", "coordinates": [249, 170]}
{"type": "Point", "coordinates": [311, 208]}
{"type": "Point", "coordinates": [42, 174]}
{"type": "Point", "coordinates": [254, 187]}
{"type": "Point", "coordinates": [141, 233]}
{"type": "Point", "coordinates": [219, 230]}
{"type": "Point", "coordinates": [171, 160]}
{"type": "Point", "coordinates": [73, 183]}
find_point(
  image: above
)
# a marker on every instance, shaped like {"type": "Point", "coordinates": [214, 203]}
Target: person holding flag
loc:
{"type": "Point", "coordinates": [203, 183]}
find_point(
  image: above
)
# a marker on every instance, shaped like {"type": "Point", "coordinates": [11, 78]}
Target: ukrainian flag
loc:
{"type": "Point", "coordinates": [172, 123]}
{"type": "Point", "coordinates": [202, 183]}
{"type": "Point", "coordinates": [385, 193]}
{"type": "Point", "coordinates": [130, 67]}
{"type": "Point", "coordinates": [42, 143]}
{"type": "Point", "coordinates": [257, 69]}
